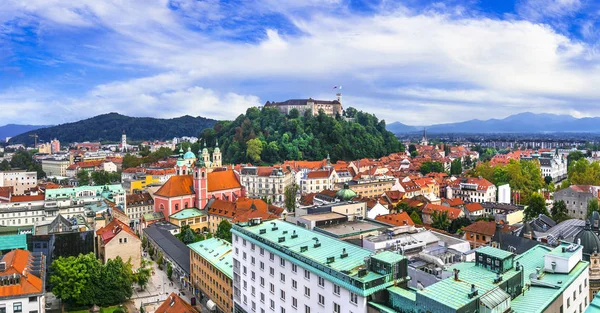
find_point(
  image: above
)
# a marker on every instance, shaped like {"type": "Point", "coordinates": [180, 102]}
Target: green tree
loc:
{"type": "Point", "coordinates": [592, 206]}
{"type": "Point", "coordinates": [72, 276]}
{"type": "Point", "coordinates": [254, 149]}
{"type": "Point", "coordinates": [169, 270]}
{"type": "Point", "coordinates": [224, 230]}
{"type": "Point", "coordinates": [536, 205]}
{"type": "Point", "coordinates": [548, 179]}
{"type": "Point", "coordinates": [559, 211]}
{"type": "Point", "coordinates": [414, 154]}
{"type": "Point", "coordinates": [151, 252]}
{"type": "Point", "coordinates": [130, 161]}
{"type": "Point", "coordinates": [456, 167]}
{"type": "Point", "coordinates": [575, 156]}
{"type": "Point", "coordinates": [414, 216]}
{"type": "Point", "coordinates": [290, 197]}
{"type": "Point", "coordinates": [4, 165]}
{"type": "Point", "coordinates": [431, 167]}
{"type": "Point", "coordinates": [582, 172]}
{"type": "Point", "coordinates": [142, 275]}
{"type": "Point", "coordinates": [458, 223]}
{"type": "Point", "coordinates": [116, 282]}
{"type": "Point", "coordinates": [83, 178]}
{"type": "Point", "coordinates": [440, 220]}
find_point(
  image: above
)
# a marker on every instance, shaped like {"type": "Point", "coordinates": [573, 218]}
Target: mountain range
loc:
{"type": "Point", "coordinates": [10, 130]}
{"type": "Point", "coordinates": [109, 127]}
{"type": "Point", "coordinates": [519, 123]}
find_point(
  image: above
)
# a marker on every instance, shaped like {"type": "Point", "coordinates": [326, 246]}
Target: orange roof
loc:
{"type": "Point", "coordinates": [174, 304]}
{"type": "Point", "coordinates": [6, 191]}
{"type": "Point", "coordinates": [222, 180]}
{"type": "Point", "coordinates": [177, 186]}
{"type": "Point", "coordinates": [17, 262]}
{"type": "Point", "coordinates": [305, 164]}
{"type": "Point", "coordinates": [453, 213]}
{"type": "Point", "coordinates": [111, 229]}
{"type": "Point", "coordinates": [481, 227]}
{"type": "Point", "coordinates": [318, 174]}
{"type": "Point", "coordinates": [453, 202]}
{"type": "Point", "coordinates": [39, 197]}
{"type": "Point", "coordinates": [474, 207]}
{"type": "Point", "coordinates": [398, 219]}
{"type": "Point", "coordinates": [243, 209]}
{"type": "Point", "coordinates": [87, 164]}
{"type": "Point", "coordinates": [394, 195]}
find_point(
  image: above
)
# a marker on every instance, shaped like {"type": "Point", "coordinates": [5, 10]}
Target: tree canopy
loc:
{"type": "Point", "coordinates": [224, 230]}
{"type": "Point", "coordinates": [559, 211]}
{"type": "Point", "coordinates": [536, 205]}
{"type": "Point", "coordinates": [456, 167]}
{"type": "Point", "coordinates": [582, 172]}
{"type": "Point", "coordinates": [23, 160]}
{"type": "Point", "coordinates": [290, 197]}
{"type": "Point", "coordinates": [592, 206]}
{"type": "Point", "coordinates": [296, 137]}
{"type": "Point", "coordinates": [431, 167]}
{"type": "Point", "coordinates": [440, 220]}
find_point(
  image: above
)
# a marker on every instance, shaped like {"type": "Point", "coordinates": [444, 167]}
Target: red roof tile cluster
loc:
{"type": "Point", "coordinates": [139, 198]}
{"type": "Point", "coordinates": [27, 198]}
{"type": "Point", "coordinates": [453, 213]}
{"type": "Point", "coordinates": [109, 231]}
{"type": "Point", "coordinates": [482, 228]}
{"type": "Point", "coordinates": [398, 219]}
{"type": "Point", "coordinates": [174, 304]}
{"type": "Point", "coordinates": [318, 174]}
{"type": "Point", "coordinates": [474, 207]}
{"type": "Point", "coordinates": [176, 186]}
{"type": "Point", "coordinates": [453, 202]}
{"type": "Point", "coordinates": [244, 209]}
{"type": "Point", "coordinates": [18, 262]}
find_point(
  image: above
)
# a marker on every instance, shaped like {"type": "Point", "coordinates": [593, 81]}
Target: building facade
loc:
{"type": "Point", "coordinates": [22, 282]}
{"type": "Point", "coordinates": [138, 204]}
{"type": "Point", "coordinates": [54, 167]}
{"type": "Point", "coordinates": [266, 182]}
{"type": "Point", "coordinates": [473, 190]}
{"type": "Point", "coordinates": [281, 267]}
{"type": "Point", "coordinates": [117, 239]}
{"type": "Point", "coordinates": [317, 181]}
{"type": "Point", "coordinates": [211, 272]}
{"type": "Point", "coordinates": [370, 186]}
{"type": "Point", "coordinates": [330, 108]}
{"type": "Point", "coordinates": [19, 180]}
{"type": "Point", "coordinates": [576, 198]}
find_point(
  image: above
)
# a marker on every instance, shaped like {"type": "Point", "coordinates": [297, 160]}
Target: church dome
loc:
{"type": "Point", "coordinates": [345, 193]}
{"type": "Point", "coordinates": [217, 148]}
{"type": "Point", "coordinates": [189, 154]}
{"type": "Point", "coordinates": [589, 240]}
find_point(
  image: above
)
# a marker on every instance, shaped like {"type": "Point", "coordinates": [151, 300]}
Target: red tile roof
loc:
{"type": "Point", "coordinates": [109, 231]}
{"type": "Point", "coordinates": [39, 197]}
{"type": "Point", "coordinates": [176, 186]}
{"type": "Point", "coordinates": [481, 227]}
{"type": "Point", "coordinates": [243, 209]}
{"type": "Point", "coordinates": [453, 202]}
{"type": "Point", "coordinates": [318, 174]}
{"type": "Point", "coordinates": [398, 219]}
{"type": "Point", "coordinates": [223, 180]}
{"type": "Point", "coordinates": [174, 304]}
{"type": "Point", "coordinates": [143, 198]}
{"type": "Point", "coordinates": [474, 207]}
{"type": "Point", "coordinates": [17, 262]}
{"type": "Point", "coordinates": [394, 195]}
{"type": "Point", "coordinates": [453, 213]}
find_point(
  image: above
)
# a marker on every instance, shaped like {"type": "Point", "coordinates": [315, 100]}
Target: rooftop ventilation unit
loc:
{"type": "Point", "coordinates": [294, 235]}
{"type": "Point", "coordinates": [281, 239]}
{"type": "Point", "coordinates": [303, 248]}
{"type": "Point", "coordinates": [344, 253]}
{"type": "Point", "coordinates": [330, 259]}
{"type": "Point", "coordinates": [262, 231]}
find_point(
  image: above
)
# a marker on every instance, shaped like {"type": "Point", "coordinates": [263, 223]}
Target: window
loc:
{"type": "Point", "coordinates": [2, 308]}
{"type": "Point", "coordinates": [294, 268]}
{"type": "Point", "coordinates": [282, 262]}
{"type": "Point", "coordinates": [271, 256]}
{"type": "Point", "coordinates": [336, 289]}
{"type": "Point", "coordinates": [282, 295]}
{"type": "Point", "coordinates": [353, 298]}
{"type": "Point", "coordinates": [245, 285]}
{"type": "Point", "coordinates": [262, 266]}
{"type": "Point", "coordinates": [252, 246]}
{"type": "Point", "coordinates": [262, 281]}
{"type": "Point", "coordinates": [272, 288]}
{"type": "Point", "coordinates": [262, 251]}
{"type": "Point", "coordinates": [321, 281]}
{"type": "Point", "coordinates": [245, 270]}
{"type": "Point", "coordinates": [245, 299]}
{"type": "Point", "coordinates": [253, 290]}
{"type": "Point", "coordinates": [282, 310]}
{"type": "Point", "coordinates": [262, 297]}
{"type": "Point", "coordinates": [579, 288]}
{"type": "Point", "coordinates": [244, 242]}
{"type": "Point", "coordinates": [271, 271]}
{"type": "Point", "coordinates": [252, 260]}
{"type": "Point", "coordinates": [17, 307]}
{"type": "Point", "coordinates": [252, 275]}
{"type": "Point", "coordinates": [306, 309]}
{"type": "Point", "coordinates": [336, 308]}
{"type": "Point", "coordinates": [282, 277]}
{"type": "Point", "coordinates": [253, 306]}
{"type": "Point", "coordinates": [33, 299]}
{"type": "Point", "coordinates": [272, 305]}
{"type": "Point", "coordinates": [321, 300]}
{"type": "Point", "coordinates": [294, 302]}
{"type": "Point", "coordinates": [294, 284]}
{"type": "Point", "coordinates": [307, 291]}
{"type": "Point", "coordinates": [307, 274]}
{"type": "Point", "coordinates": [244, 255]}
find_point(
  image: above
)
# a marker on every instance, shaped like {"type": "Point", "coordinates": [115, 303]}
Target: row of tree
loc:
{"type": "Point", "coordinates": [23, 160]}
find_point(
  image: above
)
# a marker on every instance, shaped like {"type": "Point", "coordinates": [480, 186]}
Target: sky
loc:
{"type": "Point", "coordinates": [416, 62]}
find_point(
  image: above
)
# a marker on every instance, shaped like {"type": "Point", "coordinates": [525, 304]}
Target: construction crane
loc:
{"type": "Point", "coordinates": [35, 137]}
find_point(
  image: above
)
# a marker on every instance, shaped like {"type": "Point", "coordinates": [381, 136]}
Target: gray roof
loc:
{"type": "Point", "coordinates": [566, 229]}
{"type": "Point", "coordinates": [173, 248]}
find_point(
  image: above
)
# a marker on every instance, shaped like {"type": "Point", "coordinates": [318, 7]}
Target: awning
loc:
{"type": "Point", "coordinates": [211, 305]}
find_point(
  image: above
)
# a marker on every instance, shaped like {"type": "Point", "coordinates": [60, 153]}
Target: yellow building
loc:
{"type": "Point", "coordinates": [370, 186]}
{"type": "Point", "coordinates": [211, 272]}
{"type": "Point", "coordinates": [193, 217]}
{"type": "Point", "coordinates": [143, 183]}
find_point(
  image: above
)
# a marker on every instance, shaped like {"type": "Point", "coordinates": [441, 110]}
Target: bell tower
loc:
{"type": "Point", "coordinates": [217, 162]}
{"type": "Point", "coordinates": [200, 184]}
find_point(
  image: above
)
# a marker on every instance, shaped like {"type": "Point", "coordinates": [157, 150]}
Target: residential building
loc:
{"type": "Point", "coordinates": [240, 211]}
{"type": "Point", "coordinates": [396, 219]}
{"type": "Point", "coordinates": [55, 167]}
{"type": "Point", "coordinates": [266, 182]}
{"type": "Point", "coordinates": [22, 282]}
{"type": "Point", "coordinates": [281, 267]}
{"type": "Point", "coordinates": [196, 219]}
{"type": "Point", "coordinates": [479, 233]}
{"type": "Point", "coordinates": [19, 180]}
{"type": "Point", "coordinates": [186, 191]}
{"type": "Point", "coordinates": [211, 273]}
{"type": "Point", "coordinates": [352, 209]}
{"type": "Point", "coordinates": [370, 185]}
{"type": "Point", "coordinates": [472, 190]}
{"type": "Point", "coordinates": [138, 204]}
{"type": "Point", "coordinates": [507, 213]}
{"type": "Point", "coordinates": [330, 108]}
{"type": "Point", "coordinates": [430, 208]}
{"type": "Point", "coordinates": [376, 210]}
{"type": "Point", "coordinates": [55, 146]}
{"type": "Point", "coordinates": [576, 198]}
{"type": "Point", "coordinates": [117, 239]}
{"type": "Point", "coordinates": [174, 304]}
{"type": "Point", "coordinates": [161, 236]}
{"type": "Point", "coordinates": [319, 180]}
{"type": "Point", "coordinates": [44, 148]}
{"type": "Point", "coordinates": [68, 197]}
{"type": "Point", "coordinates": [552, 164]}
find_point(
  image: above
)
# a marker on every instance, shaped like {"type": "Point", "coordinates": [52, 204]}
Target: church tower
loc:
{"type": "Point", "coordinates": [217, 162]}
{"type": "Point", "coordinates": [124, 142]}
{"type": "Point", "coordinates": [200, 184]}
{"type": "Point", "coordinates": [206, 156]}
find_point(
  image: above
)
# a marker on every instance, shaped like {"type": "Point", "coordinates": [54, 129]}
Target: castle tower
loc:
{"type": "Point", "coordinates": [216, 161]}
{"type": "Point", "coordinates": [124, 142]}
{"type": "Point", "coordinates": [201, 184]}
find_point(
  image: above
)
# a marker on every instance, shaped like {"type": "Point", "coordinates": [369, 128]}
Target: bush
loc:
{"type": "Point", "coordinates": [118, 311]}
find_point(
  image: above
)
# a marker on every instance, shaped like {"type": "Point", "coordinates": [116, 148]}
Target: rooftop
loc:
{"type": "Point", "coordinates": [217, 252]}
{"type": "Point", "coordinates": [173, 248]}
{"type": "Point", "coordinates": [349, 228]}
{"type": "Point", "coordinates": [188, 213]}
{"type": "Point", "coordinates": [323, 216]}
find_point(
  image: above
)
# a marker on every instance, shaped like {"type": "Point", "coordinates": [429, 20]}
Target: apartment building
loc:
{"type": "Point", "coordinates": [22, 287]}
{"type": "Point", "coordinates": [19, 180]}
{"type": "Point", "coordinates": [138, 204]}
{"type": "Point", "coordinates": [317, 181]}
{"type": "Point", "coordinates": [473, 189]}
{"type": "Point", "coordinates": [266, 182]}
{"type": "Point", "coordinates": [55, 167]}
{"type": "Point", "coordinates": [211, 270]}
{"type": "Point", "coordinates": [370, 186]}
{"type": "Point", "coordinates": [281, 267]}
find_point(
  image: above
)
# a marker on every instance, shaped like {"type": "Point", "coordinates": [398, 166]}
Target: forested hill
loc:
{"type": "Point", "coordinates": [109, 127]}
{"type": "Point", "coordinates": [267, 136]}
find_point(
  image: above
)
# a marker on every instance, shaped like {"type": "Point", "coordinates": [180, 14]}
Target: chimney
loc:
{"type": "Point", "coordinates": [456, 271]}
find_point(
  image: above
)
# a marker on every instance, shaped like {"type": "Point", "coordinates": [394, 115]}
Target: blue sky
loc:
{"type": "Point", "coordinates": [417, 62]}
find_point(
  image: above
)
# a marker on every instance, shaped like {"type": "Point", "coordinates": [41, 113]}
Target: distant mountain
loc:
{"type": "Point", "coordinates": [397, 127]}
{"type": "Point", "coordinates": [519, 123]}
{"type": "Point", "coordinates": [109, 127]}
{"type": "Point", "coordinates": [11, 130]}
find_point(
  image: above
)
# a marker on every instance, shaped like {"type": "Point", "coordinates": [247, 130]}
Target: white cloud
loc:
{"type": "Point", "coordinates": [418, 68]}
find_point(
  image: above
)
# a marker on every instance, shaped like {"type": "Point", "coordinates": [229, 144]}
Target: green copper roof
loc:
{"type": "Point", "coordinates": [557, 251]}
{"type": "Point", "coordinates": [345, 193]}
{"type": "Point", "coordinates": [188, 213]}
{"type": "Point", "coordinates": [11, 242]}
{"type": "Point", "coordinates": [495, 252]}
{"type": "Point", "coordinates": [217, 252]}
{"type": "Point", "coordinates": [594, 306]}
{"type": "Point", "coordinates": [189, 154]}
{"type": "Point", "coordinates": [52, 194]}
{"type": "Point", "coordinates": [389, 257]}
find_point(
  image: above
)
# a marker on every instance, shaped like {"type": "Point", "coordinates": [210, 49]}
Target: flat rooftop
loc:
{"type": "Point", "coordinates": [322, 216]}
{"type": "Point", "coordinates": [350, 228]}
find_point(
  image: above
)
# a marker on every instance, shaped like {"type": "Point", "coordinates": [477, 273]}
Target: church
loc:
{"type": "Point", "coordinates": [197, 180]}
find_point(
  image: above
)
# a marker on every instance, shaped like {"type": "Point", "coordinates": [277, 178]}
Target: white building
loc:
{"type": "Point", "coordinates": [281, 267]}
{"type": "Point", "coordinates": [19, 180]}
{"type": "Point", "coordinates": [266, 182]}
{"type": "Point", "coordinates": [317, 181]}
{"type": "Point", "coordinates": [22, 287]}
{"type": "Point", "coordinates": [504, 193]}
{"type": "Point", "coordinates": [472, 190]}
